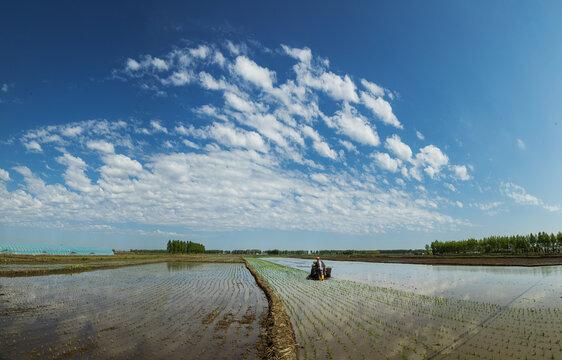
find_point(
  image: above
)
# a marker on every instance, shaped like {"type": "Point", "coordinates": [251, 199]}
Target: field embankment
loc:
{"type": "Point", "coordinates": [280, 340]}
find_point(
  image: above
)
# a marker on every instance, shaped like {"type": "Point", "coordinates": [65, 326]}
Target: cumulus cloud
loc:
{"type": "Point", "coordinates": [398, 148]}
{"type": "Point", "coordinates": [381, 109]}
{"type": "Point", "coordinates": [33, 146]}
{"type": "Point", "coordinates": [373, 88]}
{"type": "Point", "coordinates": [132, 65]}
{"type": "Point", "coordinates": [264, 153]}
{"type": "Point", "coordinates": [461, 172]}
{"type": "Point", "coordinates": [72, 131]}
{"type": "Point", "coordinates": [101, 145]}
{"type": "Point", "coordinates": [354, 125]}
{"type": "Point", "coordinates": [74, 175]}
{"type": "Point", "coordinates": [200, 52]}
{"type": "Point", "coordinates": [319, 144]}
{"type": "Point", "coordinates": [252, 72]}
{"type": "Point", "coordinates": [230, 136]}
{"type": "Point", "coordinates": [384, 161]}
{"type": "Point", "coordinates": [4, 175]}
{"type": "Point", "coordinates": [157, 126]}
{"type": "Point", "coordinates": [304, 55]}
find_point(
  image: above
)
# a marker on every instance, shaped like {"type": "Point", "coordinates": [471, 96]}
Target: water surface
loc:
{"type": "Point", "coordinates": [525, 286]}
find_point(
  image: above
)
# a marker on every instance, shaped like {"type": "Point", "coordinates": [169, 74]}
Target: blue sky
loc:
{"type": "Point", "coordinates": [290, 125]}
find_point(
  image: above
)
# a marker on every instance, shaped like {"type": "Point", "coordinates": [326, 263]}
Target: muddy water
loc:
{"type": "Point", "coordinates": [529, 286]}
{"type": "Point", "coordinates": [173, 310]}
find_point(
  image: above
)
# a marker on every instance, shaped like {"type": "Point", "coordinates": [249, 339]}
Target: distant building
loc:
{"type": "Point", "coordinates": [29, 249]}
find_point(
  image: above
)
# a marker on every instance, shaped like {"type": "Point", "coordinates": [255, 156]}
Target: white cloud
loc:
{"type": "Point", "coordinates": [254, 73]}
{"type": "Point", "coordinates": [4, 175]}
{"type": "Point", "coordinates": [321, 178]}
{"type": "Point", "coordinates": [229, 136]}
{"type": "Point", "coordinates": [450, 187]}
{"type": "Point", "coordinates": [520, 195]}
{"type": "Point", "coordinates": [132, 65]}
{"type": "Point", "coordinates": [159, 64]}
{"type": "Point", "coordinates": [420, 135]}
{"type": "Point", "coordinates": [101, 145]}
{"type": "Point", "coordinates": [158, 127]}
{"type": "Point", "coordinates": [398, 148]}
{"type": "Point", "coordinates": [304, 55]}
{"type": "Point", "coordinates": [433, 156]}
{"type": "Point", "coordinates": [373, 88]}
{"type": "Point", "coordinates": [352, 124]}
{"type": "Point", "coordinates": [258, 156]}
{"type": "Point", "coordinates": [459, 204]}
{"type": "Point", "coordinates": [381, 109]}
{"type": "Point", "coordinates": [190, 144]}
{"type": "Point", "coordinates": [461, 172]}
{"type": "Point", "coordinates": [237, 103]}
{"type": "Point", "coordinates": [33, 146]}
{"type": "Point", "coordinates": [234, 49]}
{"type": "Point", "coordinates": [219, 58]}
{"type": "Point", "coordinates": [384, 161]}
{"type": "Point", "coordinates": [74, 175]}
{"type": "Point", "coordinates": [319, 144]}
{"type": "Point", "coordinates": [178, 78]}
{"type": "Point", "coordinates": [120, 166]}
{"type": "Point", "coordinates": [520, 144]}
{"type": "Point", "coordinates": [71, 131]}
{"type": "Point", "coordinates": [335, 86]}
{"type": "Point", "coordinates": [348, 145]}
{"type": "Point", "coordinates": [200, 52]}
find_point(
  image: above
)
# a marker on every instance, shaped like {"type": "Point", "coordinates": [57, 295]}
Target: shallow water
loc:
{"type": "Point", "coordinates": [525, 286]}
{"type": "Point", "coordinates": [164, 310]}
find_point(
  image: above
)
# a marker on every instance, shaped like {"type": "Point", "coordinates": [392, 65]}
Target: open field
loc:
{"type": "Point", "coordinates": [338, 319]}
{"type": "Point", "coordinates": [480, 260]}
{"type": "Point", "coordinates": [165, 310]}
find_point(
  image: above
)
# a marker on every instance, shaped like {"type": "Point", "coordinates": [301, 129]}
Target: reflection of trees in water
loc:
{"type": "Point", "coordinates": [179, 266]}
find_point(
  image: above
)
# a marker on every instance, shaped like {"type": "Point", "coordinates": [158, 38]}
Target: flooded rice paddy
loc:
{"type": "Point", "coordinates": [398, 311]}
{"type": "Point", "coordinates": [167, 310]}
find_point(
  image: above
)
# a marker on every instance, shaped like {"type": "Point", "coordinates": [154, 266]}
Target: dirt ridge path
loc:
{"type": "Point", "coordinates": [280, 341]}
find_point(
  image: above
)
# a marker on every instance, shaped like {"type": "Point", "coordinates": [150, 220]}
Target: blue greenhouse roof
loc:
{"type": "Point", "coordinates": [28, 249]}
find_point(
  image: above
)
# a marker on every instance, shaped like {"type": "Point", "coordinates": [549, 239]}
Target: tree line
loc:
{"type": "Point", "coordinates": [184, 247]}
{"type": "Point", "coordinates": [541, 243]}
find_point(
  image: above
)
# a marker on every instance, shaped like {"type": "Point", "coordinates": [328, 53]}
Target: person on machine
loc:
{"type": "Point", "coordinates": [320, 268]}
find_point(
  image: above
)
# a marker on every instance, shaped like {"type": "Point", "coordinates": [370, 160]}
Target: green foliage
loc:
{"type": "Point", "coordinates": [247, 252]}
{"type": "Point", "coordinates": [541, 243]}
{"type": "Point", "coordinates": [184, 247]}
{"type": "Point", "coordinates": [148, 251]}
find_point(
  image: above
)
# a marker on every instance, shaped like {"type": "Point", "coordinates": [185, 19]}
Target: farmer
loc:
{"type": "Point", "coordinates": [320, 268]}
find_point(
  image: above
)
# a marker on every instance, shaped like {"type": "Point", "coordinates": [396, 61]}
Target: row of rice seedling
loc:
{"type": "Point", "coordinates": [160, 310]}
{"type": "Point", "coordinates": [344, 319]}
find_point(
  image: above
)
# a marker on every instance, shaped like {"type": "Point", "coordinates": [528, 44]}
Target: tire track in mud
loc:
{"type": "Point", "coordinates": [477, 329]}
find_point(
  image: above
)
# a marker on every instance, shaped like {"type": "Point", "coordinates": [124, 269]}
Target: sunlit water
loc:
{"type": "Point", "coordinates": [517, 286]}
